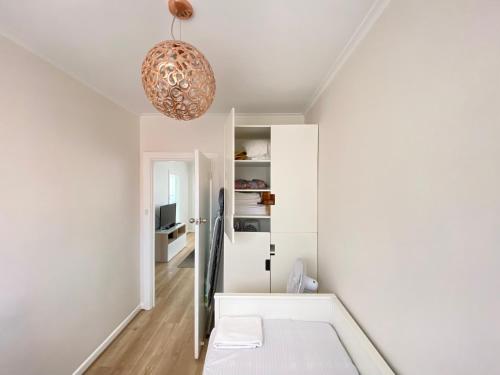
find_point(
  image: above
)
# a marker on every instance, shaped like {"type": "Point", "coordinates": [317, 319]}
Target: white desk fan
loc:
{"type": "Point", "coordinates": [298, 281]}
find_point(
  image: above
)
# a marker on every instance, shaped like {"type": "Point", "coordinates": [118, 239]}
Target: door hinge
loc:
{"type": "Point", "coordinates": [268, 264]}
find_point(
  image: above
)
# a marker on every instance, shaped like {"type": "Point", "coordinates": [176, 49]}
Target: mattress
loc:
{"type": "Point", "coordinates": [290, 347]}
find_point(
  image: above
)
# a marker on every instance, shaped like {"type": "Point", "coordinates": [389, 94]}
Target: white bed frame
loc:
{"type": "Point", "coordinates": [309, 307]}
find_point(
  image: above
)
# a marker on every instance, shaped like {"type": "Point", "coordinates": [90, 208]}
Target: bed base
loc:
{"type": "Point", "coordinates": [309, 307]}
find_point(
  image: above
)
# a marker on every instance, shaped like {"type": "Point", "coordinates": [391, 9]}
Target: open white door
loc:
{"type": "Point", "coordinates": [229, 175]}
{"type": "Point", "coordinates": [202, 176]}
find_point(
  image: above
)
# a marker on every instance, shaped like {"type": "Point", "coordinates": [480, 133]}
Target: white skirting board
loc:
{"type": "Point", "coordinates": [96, 353]}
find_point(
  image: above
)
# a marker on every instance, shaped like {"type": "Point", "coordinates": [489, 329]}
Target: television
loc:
{"type": "Point", "coordinates": [168, 216]}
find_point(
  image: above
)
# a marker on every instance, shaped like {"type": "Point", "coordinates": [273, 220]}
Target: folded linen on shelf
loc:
{"type": "Point", "coordinates": [251, 211]}
{"type": "Point", "coordinates": [249, 184]}
{"type": "Point", "coordinates": [247, 197]}
{"type": "Point", "coordinates": [238, 332]}
{"type": "Point", "coordinates": [249, 204]}
{"type": "Point", "coordinates": [244, 202]}
{"type": "Point", "coordinates": [257, 149]}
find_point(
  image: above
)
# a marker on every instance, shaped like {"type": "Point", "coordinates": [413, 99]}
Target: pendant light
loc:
{"type": "Point", "coordinates": [177, 79]}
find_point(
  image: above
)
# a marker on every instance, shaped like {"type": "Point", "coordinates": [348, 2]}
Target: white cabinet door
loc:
{"type": "Point", "coordinates": [287, 248]}
{"type": "Point", "coordinates": [229, 175]}
{"type": "Point", "coordinates": [294, 175]}
{"type": "Point", "coordinates": [245, 263]}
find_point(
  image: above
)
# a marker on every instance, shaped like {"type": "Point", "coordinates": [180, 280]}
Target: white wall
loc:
{"type": "Point", "coordinates": [409, 202]}
{"type": "Point", "coordinates": [161, 172]}
{"type": "Point", "coordinates": [162, 134]}
{"type": "Point", "coordinates": [69, 190]}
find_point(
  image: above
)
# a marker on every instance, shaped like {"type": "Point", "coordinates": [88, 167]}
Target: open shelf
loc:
{"type": "Point", "coordinates": [251, 169]}
{"type": "Point", "coordinates": [248, 223]}
{"type": "Point", "coordinates": [252, 132]}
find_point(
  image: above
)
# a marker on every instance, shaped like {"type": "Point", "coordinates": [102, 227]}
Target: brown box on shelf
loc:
{"type": "Point", "coordinates": [268, 199]}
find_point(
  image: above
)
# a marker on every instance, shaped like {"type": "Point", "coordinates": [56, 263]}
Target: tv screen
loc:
{"type": "Point", "coordinates": [167, 215]}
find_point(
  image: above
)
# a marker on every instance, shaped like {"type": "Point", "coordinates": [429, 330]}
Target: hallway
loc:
{"type": "Point", "coordinates": [159, 341]}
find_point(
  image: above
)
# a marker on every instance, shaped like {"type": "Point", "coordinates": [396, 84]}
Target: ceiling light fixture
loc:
{"type": "Point", "coordinates": [177, 79]}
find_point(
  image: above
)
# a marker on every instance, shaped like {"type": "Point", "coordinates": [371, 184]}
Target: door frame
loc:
{"type": "Point", "coordinates": [146, 219]}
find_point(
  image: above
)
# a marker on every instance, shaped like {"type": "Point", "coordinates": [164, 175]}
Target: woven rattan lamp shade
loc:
{"type": "Point", "coordinates": [178, 80]}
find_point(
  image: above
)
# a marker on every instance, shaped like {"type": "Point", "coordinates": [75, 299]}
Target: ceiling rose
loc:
{"type": "Point", "coordinates": [177, 79]}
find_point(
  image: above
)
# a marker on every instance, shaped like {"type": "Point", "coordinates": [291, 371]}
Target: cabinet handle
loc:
{"type": "Point", "coordinates": [268, 264]}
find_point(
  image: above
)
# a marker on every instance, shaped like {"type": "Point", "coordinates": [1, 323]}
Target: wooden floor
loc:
{"type": "Point", "coordinates": [159, 341]}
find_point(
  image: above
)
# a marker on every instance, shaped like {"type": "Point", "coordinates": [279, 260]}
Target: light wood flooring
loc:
{"type": "Point", "coordinates": [159, 341]}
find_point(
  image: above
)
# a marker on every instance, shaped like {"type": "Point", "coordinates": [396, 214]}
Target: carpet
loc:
{"type": "Point", "coordinates": [188, 261]}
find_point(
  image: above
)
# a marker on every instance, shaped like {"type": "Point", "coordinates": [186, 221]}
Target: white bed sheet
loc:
{"type": "Point", "coordinates": [291, 347]}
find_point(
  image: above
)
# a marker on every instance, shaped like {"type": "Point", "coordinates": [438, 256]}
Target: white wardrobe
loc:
{"type": "Point", "coordinates": [260, 261]}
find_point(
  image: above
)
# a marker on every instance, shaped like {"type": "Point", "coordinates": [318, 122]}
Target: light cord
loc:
{"type": "Point", "coordinates": [172, 28]}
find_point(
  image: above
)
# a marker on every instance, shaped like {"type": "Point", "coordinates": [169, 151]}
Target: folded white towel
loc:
{"type": "Point", "coordinates": [247, 202]}
{"type": "Point", "coordinates": [238, 332]}
{"type": "Point", "coordinates": [257, 148]}
{"type": "Point", "coordinates": [247, 197]}
{"type": "Point", "coordinates": [251, 212]}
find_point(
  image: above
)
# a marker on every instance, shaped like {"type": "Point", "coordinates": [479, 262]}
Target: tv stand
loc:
{"type": "Point", "coordinates": [169, 242]}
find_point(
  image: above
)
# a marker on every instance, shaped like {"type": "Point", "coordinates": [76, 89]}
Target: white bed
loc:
{"type": "Point", "coordinates": [303, 334]}
{"type": "Point", "coordinates": [321, 352]}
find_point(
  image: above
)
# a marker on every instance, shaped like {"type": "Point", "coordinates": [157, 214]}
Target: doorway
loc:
{"type": "Point", "coordinates": [173, 205]}
{"type": "Point", "coordinates": [173, 202]}
{"type": "Point", "coordinates": [163, 200]}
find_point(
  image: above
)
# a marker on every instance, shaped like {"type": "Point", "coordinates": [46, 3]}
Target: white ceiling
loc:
{"type": "Point", "coordinates": [269, 56]}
